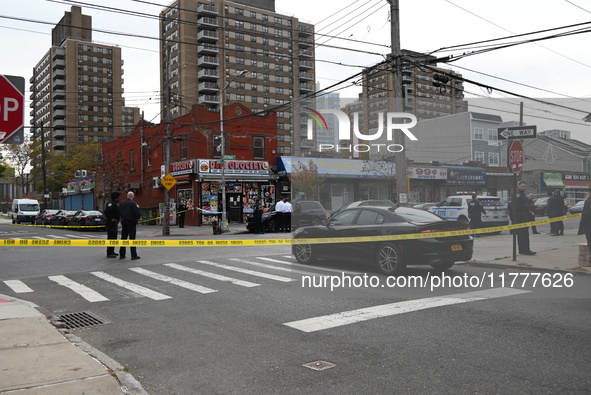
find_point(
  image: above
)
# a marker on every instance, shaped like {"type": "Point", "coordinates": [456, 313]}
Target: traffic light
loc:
{"type": "Point", "coordinates": [439, 82]}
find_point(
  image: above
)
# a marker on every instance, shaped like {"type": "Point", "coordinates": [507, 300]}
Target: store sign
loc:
{"type": "Point", "coordinates": [553, 180]}
{"type": "Point", "coordinates": [427, 173]}
{"type": "Point", "coordinates": [577, 177]}
{"type": "Point", "coordinates": [79, 185]}
{"type": "Point", "coordinates": [466, 176]}
{"type": "Point", "coordinates": [184, 167]}
{"type": "Point", "coordinates": [213, 166]}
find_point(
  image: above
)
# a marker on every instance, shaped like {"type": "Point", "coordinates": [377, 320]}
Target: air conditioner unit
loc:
{"type": "Point", "coordinates": [156, 183]}
{"type": "Point", "coordinates": [83, 173]}
{"type": "Point", "coordinates": [77, 174]}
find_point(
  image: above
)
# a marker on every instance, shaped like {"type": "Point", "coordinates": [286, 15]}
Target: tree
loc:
{"type": "Point", "coordinates": [384, 167]}
{"type": "Point", "coordinates": [111, 175]}
{"type": "Point", "coordinates": [305, 179]}
{"type": "Point", "coordinates": [20, 156]}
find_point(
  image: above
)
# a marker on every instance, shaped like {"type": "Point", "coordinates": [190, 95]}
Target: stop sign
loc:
{"type": "Point", "coordinates": [12, 105]}
{"type": "Point", "coordinates": [516, 156]}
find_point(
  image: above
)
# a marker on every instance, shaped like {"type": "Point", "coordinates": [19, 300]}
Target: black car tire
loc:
{"type": "Point", "coordinates": [303, 253]}
{"type": "Point", "coordinates": [389, 259]}
{"type": "Point", "coordinates": [443, 265]}
{"type": "Point", "coordinates": [316, 221]}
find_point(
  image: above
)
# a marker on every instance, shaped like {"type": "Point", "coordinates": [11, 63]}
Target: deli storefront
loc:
{"type": "Point", "coordinates": [245, 180]}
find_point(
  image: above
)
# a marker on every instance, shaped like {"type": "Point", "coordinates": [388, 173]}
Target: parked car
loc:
{"type": "Point", "coordinates": [392, 257]}
{"type": "Point", "coordinates": [540, 206]}
{"type": "Point", "coordinates": [88, 218]}
{"type": "Point", "coordinates": [312, 214]}
{"type": "Point", "coordinates": [365, 203]}
{"type": "Point", "coordinates": [577, 208]}
{"type": "Point", "coordinates": [61, 218]}
{"type": "Point", "coordinates": [424, 206]}
{"type": "Point", "coordinates": [44, 216]}
{"type": "Point", "coordinates": [456, 208]}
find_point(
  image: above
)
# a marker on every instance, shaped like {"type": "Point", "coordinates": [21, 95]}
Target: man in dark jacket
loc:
{"type": "Point", "coordinates": [112, 218]}
{"type": "Point", "coordinates": [130, 214]}
{"type": "Point", "coordinates": [475, 209]}
{"type": "Point", "coordinates": [585, 225]}
{"type": "Point", "coordinates": [182, 209]}
{"type": "Point", "coordinates": [522, 215]}
{"type": "Point", "coordinates": [555, 208]}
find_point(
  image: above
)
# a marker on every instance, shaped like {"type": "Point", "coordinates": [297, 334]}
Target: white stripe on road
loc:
{"type": "Point", "coordinates": [82, 290]}
{"type": "Point", "coordinates": [247, 271]}
{"type": "Point", "coordinates": [212, 275]}
{"type": "Point", "coordinates": [285, 269]}
{"type": "Point", "coordinates": [77, 236]}
{"type": "Point", "coordinates": [315, 267]}
{"type": "Point", "coordinates": [18, 286]}
{"type": "Point", "coordinates": [174, 281]}
{"type": "Point", "coordinates": [131, 286]}
{"type": "Point", "coordinates": [386, 310]}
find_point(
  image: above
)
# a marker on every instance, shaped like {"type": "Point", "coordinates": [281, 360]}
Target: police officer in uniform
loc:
{"type": "Point", "coordinates": [130, 214]}
{"type": "Point", "coordinates": [112, 218]}
{"type": "Point", "coordinates": [475, 209]}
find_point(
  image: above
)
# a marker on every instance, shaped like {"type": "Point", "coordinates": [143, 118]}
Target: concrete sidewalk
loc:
{"type": "Point", "coordinates": [35, 358]}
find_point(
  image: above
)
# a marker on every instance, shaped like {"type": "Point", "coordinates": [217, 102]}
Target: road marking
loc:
{"type": "Point", "coordinates": [77, 236]}
{"type": "Point", "coordinates": [174, 281]}
{"type": "Point", "coordinates": [386, 310]}
{"type": "Point", "coordinates": [285, 269]}
{"type": "Point", "coordinates": [247, 271]}
{"type": "Point", "coordinates": [131, 286]}
{"type": "Point", "coordinates": [18, 286]}
{"type": "Point", "coordinates": [82, 290]}
{"type": "Point", "coordinates": [212, 275]}
{"type": "Point", "coordinates": [315, 267]}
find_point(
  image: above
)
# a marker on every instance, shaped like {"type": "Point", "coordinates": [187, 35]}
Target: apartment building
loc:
{"type": "Point", "coordinates": [76, 87]}
{"type": "Point", "coordinates": [222, 52]}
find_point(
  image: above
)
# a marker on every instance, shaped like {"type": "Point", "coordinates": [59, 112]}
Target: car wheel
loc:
{"type": "Point", "coordinates": [303, 253]}
{"type": "Point", "coordinates": [389, 259]}
{"type": "Point", "coordinates": [443, 265]}
{"type": "Point", "coordinates": [316, 221]}
{"type": "Point", "coordinates": [271, 225]}
{"type": "Point", "coordinates": [462, 218]}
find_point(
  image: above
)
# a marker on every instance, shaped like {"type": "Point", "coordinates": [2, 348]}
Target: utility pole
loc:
{"type": "Point", "coordinates": [166, 213]}
{"type": "Point", "coordinates": [44, 168]}
{"type": "Point", "coordinates": [396, 100]}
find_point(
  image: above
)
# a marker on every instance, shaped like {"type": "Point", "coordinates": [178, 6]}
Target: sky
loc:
{"type": "Point", "coordinates": [547, 70]}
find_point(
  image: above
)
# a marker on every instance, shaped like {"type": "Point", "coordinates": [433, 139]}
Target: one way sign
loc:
{"type": "Point", "coordinates": [517, 132]}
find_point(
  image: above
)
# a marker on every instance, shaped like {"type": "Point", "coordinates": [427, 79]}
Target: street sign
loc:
{"type": "Point", "coordinates": [517, 132]}
{"type": "Point", "coordinates": [229, 156]}
{"type": "Point", "coordinates": [168, 181]}
{"type": "Point", "coordinates": [516, 157]}
{"type": "Point", "coordinates": [12, 106]}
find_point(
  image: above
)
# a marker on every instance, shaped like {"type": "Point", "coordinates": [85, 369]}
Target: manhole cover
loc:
{"type": "Point", "coordinates": [319, 365]}
{"type": "Point", "coordinates": [80, 320]}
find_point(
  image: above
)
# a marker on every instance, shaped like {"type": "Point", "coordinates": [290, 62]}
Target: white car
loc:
{"type": "Point", "coordinates": [456, 208]}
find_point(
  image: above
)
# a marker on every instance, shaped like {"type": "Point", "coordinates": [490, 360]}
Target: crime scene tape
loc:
{"type": "Point", "coordinates": [266, 242]}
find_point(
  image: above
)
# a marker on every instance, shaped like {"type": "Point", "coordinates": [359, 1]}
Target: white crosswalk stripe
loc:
{"type": "Point", "coordinates": [247, 271]}
{"type": "Point", "coordinates": [285, 269]}
{"type": "Point", "coordinates": [18, 286]}
{"type": "Point", "coordinates": [131, 286]}
{"type": "Point", "coordinates": [80, 289]}
{"type": "Point", "coordinates": [215, 276]}
{"type": "Point", "coordinates": [326, 269]}
{"type": "Point", "coordinates": [171, 280]}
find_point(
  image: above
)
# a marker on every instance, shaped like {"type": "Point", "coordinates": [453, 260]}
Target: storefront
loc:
{"type": "Point", "coordinates": [246, 180]}
{"type": "Point", "coordinates": [463, 179]}
{"type": "Point", "coordinates": [576, 187]}
{"type": "Point", "coordinates": [425, 183]}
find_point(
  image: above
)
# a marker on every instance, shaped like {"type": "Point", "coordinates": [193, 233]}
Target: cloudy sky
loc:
{"type": "Point", "coordinates": [557, 67]}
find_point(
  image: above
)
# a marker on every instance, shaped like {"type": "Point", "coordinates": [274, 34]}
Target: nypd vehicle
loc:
{"type": "Point", "coordinates": [456, 208]}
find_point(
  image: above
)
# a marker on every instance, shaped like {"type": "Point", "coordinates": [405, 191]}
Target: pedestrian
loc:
{"type": "Point", "coordinates": [297, 213]}
{"type": "Point", "coordinates": [523, 215]}
{"type": "Point", "coordinates": [279, 215]}
{"type": "Point", "coordinates": [182, 209]}
{"type": "Point", "coordinates": [112, 222]}
{"type": "Point", "coordinates": [585, 225]}
{"type": "Point", "coordinates": [475, 210]}
{"type": "Point", "coordinates": [287, 210]}
{"type": "Point", "coordinates": [257, 216]}
{"type": "Point", "coordinates": [130, 214]}
{"type": "Point", "coordinates": [534, 229]}
{"type": "Point", "coordinates": [555, 208]}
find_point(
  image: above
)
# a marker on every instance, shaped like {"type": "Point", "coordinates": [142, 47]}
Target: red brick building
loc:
{"type": "Point", "coordinates": [136, 162]}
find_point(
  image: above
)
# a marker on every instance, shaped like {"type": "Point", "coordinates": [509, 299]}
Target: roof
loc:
{"type": "Point", "coordinates": [485, 117]}
{"type": "Point", "coordinates": [575, 147]}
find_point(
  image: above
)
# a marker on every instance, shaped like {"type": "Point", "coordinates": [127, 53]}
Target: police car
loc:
{"type": "Point", "coordinates": [456, 208]}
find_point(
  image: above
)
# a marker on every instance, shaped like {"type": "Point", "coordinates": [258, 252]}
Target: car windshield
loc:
{"type": "Point", "coordinates": [491, 202]}
{"type": "Point", "coordinates": [28, 207]}
{"type": "Point", "coordinates": [541, 201]}
{"type": "Point", "coordinates": [415, 215]}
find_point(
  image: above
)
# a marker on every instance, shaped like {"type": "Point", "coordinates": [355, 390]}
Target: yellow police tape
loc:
{"type": "Point", "coordinates": [266, 242]}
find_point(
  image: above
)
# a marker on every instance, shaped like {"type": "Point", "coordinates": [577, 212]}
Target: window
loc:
{"type": "Point", "coordinates": [253, 26]}
{"type": "Point", "coordinates": [266, 89]}
{"type": "Point", "coordinates": [253, 14]}
{"type": "Point", "coordinates": [240, 98]}
{"type": "Point", "coordinates": [278, 78]}
{"type": "Point", "coordinates": [217, 146]}
{"type": "Point", "coordinates": [265, 65]}
{"type": "Point", "coordinates": [239, 11]}
{"type": "Point", "coordinates": [265, 17]}
{"type": "Point", "coordinates": [344, 219]}
{"type": "Point", "coordinates": [184, 149]}
{"type": "Point", "coordinates": [265, 77]}
{"type": "Point", "coordinates": [240, 24]}
{"type": "Point", "coordinates": [492, 134]}
{"type": "Point", "coordinates": [132, 159]}
{"type": "Point", "coordinates": [479, 156]}
{"type": "Point", "coordinates": [370, 218]}
{"type": "Point", "coordinates": [240, 85]}
{"type": "Point", "coordinates": [240, 48]}
{"type": "Point", "coordinates": [254, 87]}
{"type": "Point", "coordinates": [478, 134]}
{"type": "Point", "coordinates": [279, 21]}
{"type": "Point", "coordinates": [253, 62]}
{"type": "Point", "coordinates": [493, 158]}
{"type": "Point", "coordinates": [149, 155]}
{"type": "Point", "coordinates": [258, 145]}
{"type": "Point", "coordinates": [254, 99]}
{"type": "Point", "coordinates": [253, 39]}
{"type": "Point", "coordinates": [265, 29]}
{"type": "Point", "coordinates": [240, 36]}
{"type": "Point", "coordinates": [278, 91]}
{"type": "Point", "coordinates": [240, 60]}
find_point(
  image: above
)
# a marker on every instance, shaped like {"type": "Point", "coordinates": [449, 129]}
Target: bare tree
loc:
{"type": "Point", "coordinates": [20, 156]}
{"type": "Point", "coordinates": [305, 179]}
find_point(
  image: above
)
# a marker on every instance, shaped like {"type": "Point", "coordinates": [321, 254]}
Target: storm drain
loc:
{"type": "Point", "coordinates": [83, 319]}
{"type": "Point", "coordinates": [319, 365]}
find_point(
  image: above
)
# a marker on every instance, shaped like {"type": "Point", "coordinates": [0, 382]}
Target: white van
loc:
{"type": "Point", "coordinates": [24, 210]}
{"type": "Point", "coordinates": [456, 208]}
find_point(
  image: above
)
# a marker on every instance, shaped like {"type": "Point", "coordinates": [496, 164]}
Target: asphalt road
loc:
{"type": "Point", "coordinates": [243, 323]}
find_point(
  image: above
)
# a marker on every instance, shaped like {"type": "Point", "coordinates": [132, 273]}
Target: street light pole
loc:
{"type": "Point", "coordinates": [223, 151]}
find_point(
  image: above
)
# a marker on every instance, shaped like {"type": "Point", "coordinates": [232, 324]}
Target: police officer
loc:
{"type": "Point", "coordinates": [130, 214]}
{"type": "Point", "coordinates": [112, 218]}
{"type": "Point", "coordinates": [475, 209]}
{"type": "Point", "coordinates": [523, 214]}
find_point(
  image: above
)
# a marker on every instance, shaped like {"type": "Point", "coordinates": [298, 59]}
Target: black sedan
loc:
{"type": "Point", "coordinates": [392, 257]}
{"type": "Point", "coordinates": [311, 214]}
{"type": "Point", "coordinates": [44, 216]}
{"type": "Point", "coordinates": [92, 218]}
{"type": "Point", "coordinates": [61, 218]}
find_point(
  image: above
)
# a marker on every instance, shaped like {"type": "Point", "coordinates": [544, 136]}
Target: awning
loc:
{"type": "Point", "coordinates": [184, 179]}
{"type": "Point", "coordinates": [552, 180]}
{"type": "Point", "coordinates": [338, 168]}
{"type": "Point", "coordinates": [576, 183]}
{"type": "Point", "coordinates": [237, 177]}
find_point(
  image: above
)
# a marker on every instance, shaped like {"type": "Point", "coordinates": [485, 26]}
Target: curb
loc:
{"type": "Point", "coordinates": [529, 268]}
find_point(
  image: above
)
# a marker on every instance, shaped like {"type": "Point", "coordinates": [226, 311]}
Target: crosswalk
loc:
{"type": "Point", "coordinates": [201, 276]}
{"type": "Point", "coordinates": [62, 236]}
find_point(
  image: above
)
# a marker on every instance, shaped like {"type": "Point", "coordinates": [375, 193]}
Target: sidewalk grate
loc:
{"type": "Point", "coordinates": [82, 319]}
{"type": "Point", "coordinates": [319, 365]}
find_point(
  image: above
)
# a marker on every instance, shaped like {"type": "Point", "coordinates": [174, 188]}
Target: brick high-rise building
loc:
{"type": "Point", "coordinates": [206, 45]}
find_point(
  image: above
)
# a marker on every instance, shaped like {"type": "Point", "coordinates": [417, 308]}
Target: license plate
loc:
{"type": "Point", "coordinates": [456, 247]}
{"type": "Point", "coordinates": [97, 219]}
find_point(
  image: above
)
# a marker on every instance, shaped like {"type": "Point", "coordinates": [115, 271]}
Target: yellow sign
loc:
{"type": "Point", "coordinates": [168, 181]}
